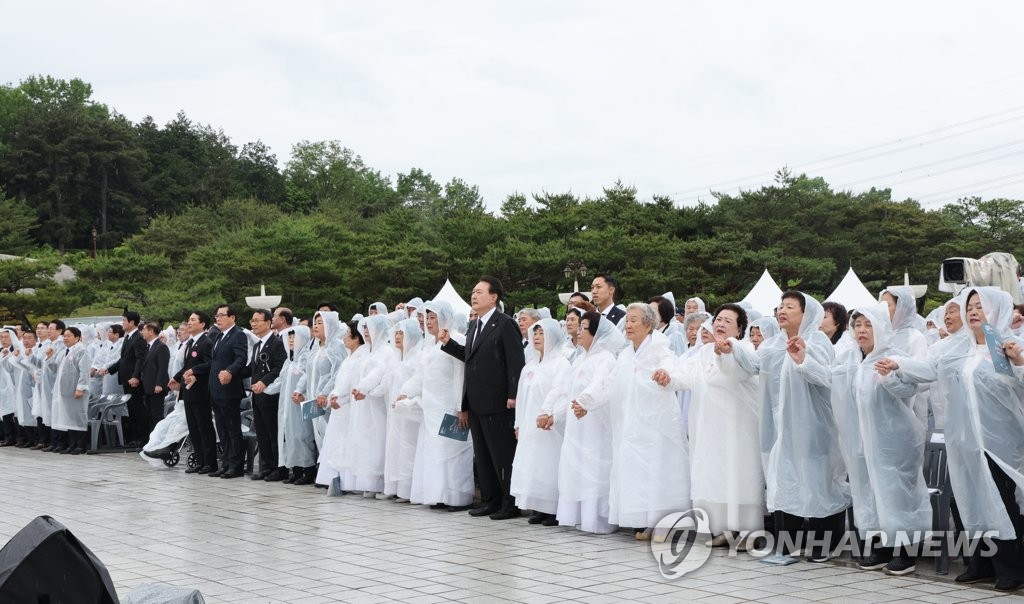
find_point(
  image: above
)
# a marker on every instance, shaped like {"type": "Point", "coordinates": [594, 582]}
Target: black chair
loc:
{"type": "Point", "coordinates": [249, 437]}
{"type": "Point", "coordinates": [936, 476]}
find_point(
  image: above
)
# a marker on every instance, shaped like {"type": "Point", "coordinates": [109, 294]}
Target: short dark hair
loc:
{"type": "Point", "coordinates": [577, 295]}
{"type": "Point", "coordinates": [593, 319]}
{"type": "Point", "coordinates": [799, 297]}
{"type": "Point", "coordinates": [666, 310]}
{"type": "Point", "coordinates": [153, 327]}
{"type": "Point", "coordinates": [74, 331]}
{"type": "Point", "coordinates": [132, 317]}
{"type": "Point", "coordinates": [353, 328]}
{"type": "Point", "coordinates": [494, 285]}
{"type": "Point", "coordinates": [60, 325]}
{"type": "Point", "coordinates": [741, 316]}
{"type": "Point", "coordinates": [266, 314]}
{"type": "Point", "coordinates": [331, 306]}
{"type": "Point", "coordinates": [286, 314]}
{"type": "Point", "coordinates": [839, 315]}
{"type": "Point", "coordinates": [203, 318]}
{"type": "Point", "coordinates": [574, 311]}
{"type": "Point", "coordinates": [613, 283]}
{"type": "Point", "coordinates": [118, 330]}
{"type": "Point", "coordinates": [229, 310]}
{"type": "Point", "coordinates": [1019, 308]}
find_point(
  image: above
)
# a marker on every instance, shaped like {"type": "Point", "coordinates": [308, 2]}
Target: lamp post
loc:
{"type": "Point", "coordinates": [93, 243]}
{"type": "Point", "coordinates": [572, 269]}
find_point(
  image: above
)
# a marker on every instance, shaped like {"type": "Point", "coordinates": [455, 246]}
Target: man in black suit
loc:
{"type": "Point", "coordinates": [154, 375]}
{"type": "Point", "coordinates": [224, 371]}
{"type": "Point", "coordinates": [605, 292]}
{"type": "Point", "coordinates": [268, 356]}
{"type": "Point", "coordinates": [194, 392]}
{"type": "Point", "coordinates": [493, 355]}
{"type": "Point", "coordinates": [129, 376]}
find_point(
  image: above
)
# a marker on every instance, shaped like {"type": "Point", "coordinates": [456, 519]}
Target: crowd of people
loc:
{"type": "Point", "coordinates": [614, 417]}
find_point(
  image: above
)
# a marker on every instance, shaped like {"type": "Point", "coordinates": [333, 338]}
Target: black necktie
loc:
{"type": "Point", "coordinates": [476, 336]}
{"type": "Point", "coordinates": [256, 352]}
{"type": "Point", "coordinates": [188, 346]}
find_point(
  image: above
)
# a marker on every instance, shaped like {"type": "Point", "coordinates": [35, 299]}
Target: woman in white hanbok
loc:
{"type": "Point", "coordinates": [585, 463]}
{"type": "Point", "coordinates": [541, 407]}
{"type": "Point", "coordinates": [71, 394]}
{"type": "Point", "coordinates": [442, 474]}
{"type": "Point", "coordinates": [296, 442]}
{"type": "Point", "coordinates": [650, 475]}
{"type": "Point", "coordinates": [403, 421]}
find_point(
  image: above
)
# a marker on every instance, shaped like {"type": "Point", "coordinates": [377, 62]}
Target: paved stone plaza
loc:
{"type": "Point", "coordinates": [243, 541]}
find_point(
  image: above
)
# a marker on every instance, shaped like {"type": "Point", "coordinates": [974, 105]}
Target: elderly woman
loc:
{"type": "Point", "coordinates": [295, 440]}
{"type": "Point", "coordinates": [984, 430]}
{"type": "Point", "coordinates": [326, 352]}
{"type": "Point", "coordinates": [335, 460]}
{"type": "Point", "coordinates": [403, 422]}
{"type": "Point", "coordinates": [907, 337]}
{"type": "Point", "coordinates": [726, 479]}
{"type": "Point", "coordinates": [585, 461]}
{"type": "Point", "coordinates": [882, 444]}
{"type": "Point", "coordinates": [762, 329]}
{"type": "Point", "coordinates": [650, 476]}
{"type": "Point", "coordinates": [540, 422]}
{"type": "Point", "coordinates": [442, 474]}
{"type": "Point", "coordinates": [71, 394]}
{"type": "Point", "coordinates": [368, 432]}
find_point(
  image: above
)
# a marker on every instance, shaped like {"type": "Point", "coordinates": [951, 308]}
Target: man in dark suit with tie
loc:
{"type": "Point", "coordinates": [268, 357]}
{"type": "Point", "coordinates": [154, 374]}
{"type": "Point", "coordinates": [129, 376]}
{"type": "Point", "coordinates": [228, 359]}
{"type": "Point", "coordinates": [493, 355]}
{"type": "Point", "coordinates": [194, 392]}
{"type": "Point", "coordinates": [604, 291]}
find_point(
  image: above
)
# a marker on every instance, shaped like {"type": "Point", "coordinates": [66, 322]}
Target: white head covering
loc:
{"type": "Point", "coordinates": [381, 308]}
{"type": "Point", "coordinates": [906, 306]}
{"type": "Point", "coordinates": [445, 315]}
{"type": "Point", "coordinates": [377, 326]}
{"type": "Point", "coordinates": [554, 338]}
{"type": "Point", "coordinates": [768, 326]}
{"type": "Point", "coordinates": [411, 337]}
{"type": "Point", "coordinates": [698, 301]}
{"type": "Point", "coordinates": [302, 335]}
{"type": "Point", "coordinates": [881, 325]}
{"type": "Point", "coordinates": [608, 337]}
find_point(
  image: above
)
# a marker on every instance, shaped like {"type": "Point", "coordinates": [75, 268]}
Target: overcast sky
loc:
{"type": "Point", "coordinates": [674, 98]}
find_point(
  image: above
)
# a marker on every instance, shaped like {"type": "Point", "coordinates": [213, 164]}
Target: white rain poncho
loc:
{"type": "Point", "coordinates": [10, 374]}
{"type": "Point", "coordinates": [296, 443]}
{"type": "Point", "coordinates": [937, 396]}
{"type": "Point", "coordinates": [172, 429]}
{"type": "Point", "coordinates": [725, 456]}
{"type": "Point", "coordinates": [322, 366]}
{"type": "Point", "coordinates": [70, 413]}
{"type": "Point", "coordinates": [650, 475]}
{"type": "Point", "coordinates": [698, 302]}
{"type": "Point", "coordinates": [22, 378]}
{"type": "Point", "coordinates": [880, 437]}
{"type": "Point", "coordinates": [45, 372]}
{"type": "Point", "coordinates": [909, 338]}
{"type": "Point", "coordinates": [983, 417]}
{"type": "Point", "coordinates": [543, 390]}
{"type": "Point", "coordinates": [109, 353]}
{"type": "Point", "coordinates": [403, 421]}
{"type": "Point", "coordinates": [369, 416]}
{"type": "Point", "coordinates": [443, 469]}
{"type": "Point", "coordinates": [335, 456]}
{"type": "Point", "coordinates": [380, 308]}
{"type": "Point", "coordinates": [585, 464]}
{"type": "Point", "coordinates": [804, 470]}
{"type": "Point", "coordinates": [768, 326]}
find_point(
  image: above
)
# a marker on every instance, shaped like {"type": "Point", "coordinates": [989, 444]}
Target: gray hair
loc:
{"type": "Point", "coordinates": [648, 315]}
{"type": "Point", "coordinates": [533, 313]}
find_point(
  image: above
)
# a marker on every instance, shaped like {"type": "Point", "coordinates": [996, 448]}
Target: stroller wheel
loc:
{"type": "Point", "coordinates": [191, 461]}
{"type": "Point", "coordinates": [172, 460]}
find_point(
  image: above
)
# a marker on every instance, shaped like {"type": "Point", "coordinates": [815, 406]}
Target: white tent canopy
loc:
{"type": "Point", "coordinates": [765, 295]}
{"type": "Point", "coordinates": [851, 293]}
{"type": "Point", "coordinates": [449, 295]}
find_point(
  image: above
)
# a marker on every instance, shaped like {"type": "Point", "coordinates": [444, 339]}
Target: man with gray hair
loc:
{"type": "Point", "coordinates": [526, 318]}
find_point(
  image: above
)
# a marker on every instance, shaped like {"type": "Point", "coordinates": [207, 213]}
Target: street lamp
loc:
{"type": "Point", "coordinates": [93, 243]}
{"type": "Point", "coordinates": [573, 268]}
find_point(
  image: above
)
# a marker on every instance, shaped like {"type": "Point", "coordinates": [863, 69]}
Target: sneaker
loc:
{"type": "Point", "coordinates": [873, 562]}
{"type": "Point", "coordinates": [819, 556]}
{"type": "Point", "coordinates": [900, 566]}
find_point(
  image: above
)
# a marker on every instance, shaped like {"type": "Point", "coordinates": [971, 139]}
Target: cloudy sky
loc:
{"type": "Point", "coordinates": [674, 98]}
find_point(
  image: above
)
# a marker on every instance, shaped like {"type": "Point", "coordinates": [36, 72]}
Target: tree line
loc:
{"type": "Point", "coordinates": [185, 218]}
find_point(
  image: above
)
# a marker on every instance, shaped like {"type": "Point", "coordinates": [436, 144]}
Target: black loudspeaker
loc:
{"type": "Point", "coordinates": [45, 564]}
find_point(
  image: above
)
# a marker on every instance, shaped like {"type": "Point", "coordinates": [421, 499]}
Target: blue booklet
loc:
{"type": "Point", "coordinates": [995, 348]}
{"type": "Point", "coordinates": [450, 428]}
{"type": "Point", "coordinates": [310, 410]}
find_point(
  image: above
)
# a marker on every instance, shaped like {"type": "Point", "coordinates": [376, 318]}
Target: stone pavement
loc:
{"type": "Point", "coordinates": [243, 541]}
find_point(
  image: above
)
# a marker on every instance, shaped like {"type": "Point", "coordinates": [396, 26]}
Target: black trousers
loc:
{"type": "Point", "coordinates": [264, 421]}
{"type": "Point", "coordinates": [154, 413]}
{"type": "Point", "coordinates": [800, 530]}
{"type": "Point", "coordinates": [494, 448]}
{"type": "Point", "coordinates": [136, 427]}
{"type": "Point", "coordinates": [1008, 560]}
{"type": "Point", "coordinates": [9, 431]}
{"type": "Point", "coordinates": [42, 432]}
{"type": "Point", "coordinates": [228, 413]}
{"type": "Point", "coordinates": [199, 416]}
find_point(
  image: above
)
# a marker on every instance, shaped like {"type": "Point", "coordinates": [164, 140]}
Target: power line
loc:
{"type": "Point", "coordinates": [971, 186]}
{"type": "Point", "coordinates": [933, 163]}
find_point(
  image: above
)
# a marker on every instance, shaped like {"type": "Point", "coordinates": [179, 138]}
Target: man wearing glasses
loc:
{"type": "Point", "coordinates": [268, 356]}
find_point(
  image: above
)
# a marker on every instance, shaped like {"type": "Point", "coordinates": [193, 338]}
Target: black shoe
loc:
{"type": "Point", "coordinates": [484, 510]}
{"type": "Point", "coordinates": [38, 446]}
{"type": "Point", "coordinates": [235, 474]}
{"type": "Point", "coordinates": [458, 508]}
{"type": "Point", "coordinates": [304, 480]}
{"type": "Point", "coordinates": [48, 449]}
{"type": "Point", "coordinates": [439, 506]}
{"type": "Point", "coordinates": [900, 566]}
{"type": "Point", "coordinates": [216, 473]}
{"type": "Point", "coordinates": [873, 562]}
{"type": "Point", "coordinates": [549, 520]}
{"type": "Point", "coordinates": [968, 577]}
{"type": "Point", "coordinates": [276, 476]}
{"type": "Point", "coordinates": [291, 478]}
{"type": "Point", "coordinates": [1008, 584]}
{"type": "Point", "coordinates": [76, 451]}
{"type": "Point", "coordinates": [537, 518]}
{"type": "Point", "coordinates": [506, 514]}
{"type": "Point", "coordinates": [192, 470]}
{"type": "Point", "coordinates": [23, 445]}
{"type": "Point", "coordinates": [63, 451]}
{"type": "Point", "coordinates": [259, 475]}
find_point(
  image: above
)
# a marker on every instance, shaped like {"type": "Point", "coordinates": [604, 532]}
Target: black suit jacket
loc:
{"type": "Point", "coordinates": [229, 353]}
{"type": "Point", "coordinates": [615, 314]}
{"type": "Point", "coordinates": [268, 365]}
{"type": "Point", "coordinates": [492, 366]}
{"type": "Point", "coordinates": [133, 354]}
{"type": "Point", "coordinates": [199, 355]}
{"type": "Point", "coordinates": [154, 368]}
